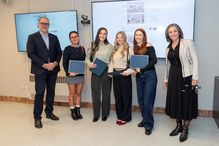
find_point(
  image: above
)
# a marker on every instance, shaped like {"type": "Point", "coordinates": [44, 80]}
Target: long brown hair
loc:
{"type": "Point", "coordinates": [143, 48]}
{"type": "Point", "coordinates": [95, 44]}
{"type": "Point", "coordinates": [97, 39]}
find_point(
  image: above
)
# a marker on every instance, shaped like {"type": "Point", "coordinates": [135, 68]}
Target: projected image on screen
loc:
{"type": "Point", "coordinates": [61, 23]}
{"type": "Point", "coordinates": [135, 13]}
{"type": "Point", "coordinates": [151, 15]}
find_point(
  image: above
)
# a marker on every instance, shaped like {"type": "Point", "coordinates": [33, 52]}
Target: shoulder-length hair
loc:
{"type": "Point", "coordinates": [143, 48]}
{"type": "Point", "coordinates": [181, 36]}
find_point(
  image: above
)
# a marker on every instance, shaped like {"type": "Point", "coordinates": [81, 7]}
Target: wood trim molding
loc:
{"type": "Point", "coordinates": [201, 113]}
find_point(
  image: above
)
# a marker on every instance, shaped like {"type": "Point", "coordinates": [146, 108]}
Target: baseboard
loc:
{"type": "Point", "coordinates": [201, 113]}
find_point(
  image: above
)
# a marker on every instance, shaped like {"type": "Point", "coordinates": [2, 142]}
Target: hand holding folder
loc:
{"type": "Point", "coordinates": [100, 67]}
{"type": "Point", "coordinates": [138, 61]}
{"type": "Point", "coordinates": [72, 74]}
{"type": "Point", "coordinates": [76, 66]}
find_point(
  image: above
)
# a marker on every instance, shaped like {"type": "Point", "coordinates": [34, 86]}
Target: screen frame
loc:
{"type": "Point", "coordinates": [192, 37]}
{"type": "Point", "coordinates": [15, 22]}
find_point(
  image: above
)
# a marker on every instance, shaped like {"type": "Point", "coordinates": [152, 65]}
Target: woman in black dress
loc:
{"type": "Point", "coordinates": [181, 80]}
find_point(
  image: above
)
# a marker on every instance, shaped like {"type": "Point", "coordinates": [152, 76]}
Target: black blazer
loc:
{"type": "Point", "coordinates": [39, 54]}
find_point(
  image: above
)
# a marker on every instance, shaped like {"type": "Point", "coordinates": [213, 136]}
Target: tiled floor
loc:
{"type": "Point", "coordinates": [17, 129]}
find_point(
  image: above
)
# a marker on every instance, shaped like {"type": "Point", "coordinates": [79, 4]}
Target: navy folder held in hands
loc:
{"type": "Point", "coordinates": [76, 66]}
{"type": "Point", "coordinates": [138, 61]}
{"type": "Point", "coordinates": [99, 69]}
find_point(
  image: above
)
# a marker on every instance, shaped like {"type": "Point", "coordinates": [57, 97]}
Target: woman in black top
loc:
{"type": "Point", "coordinates": [146, 80]}
{"type": "Point", "coordinates": [74, 80]}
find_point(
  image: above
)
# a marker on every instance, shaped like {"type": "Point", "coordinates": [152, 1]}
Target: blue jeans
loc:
{"type": "Point", "coordinates": [146, 83]}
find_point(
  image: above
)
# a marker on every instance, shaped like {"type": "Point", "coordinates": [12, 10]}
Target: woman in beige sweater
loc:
{"type": "Point", "coordinates": [100, 85]}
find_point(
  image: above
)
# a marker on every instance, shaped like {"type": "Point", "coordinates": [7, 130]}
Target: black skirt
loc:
{"type": "Point", "coordinates": [182, 100]}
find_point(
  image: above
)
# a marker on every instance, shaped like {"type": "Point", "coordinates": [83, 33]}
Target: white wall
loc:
{"type": "Point", "coordinates": [206, 39]}
{"type": "Point", "coordinates": [14, 74]}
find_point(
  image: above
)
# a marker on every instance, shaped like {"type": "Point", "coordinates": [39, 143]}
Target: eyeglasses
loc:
{"type": "Point", "coordinates": [45, 24]}
{"type": "Point", "coordinates": [73, 37]}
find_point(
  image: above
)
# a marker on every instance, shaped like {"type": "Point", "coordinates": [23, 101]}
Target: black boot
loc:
{"type": "Point", "coordinates": [184, 135]}
{"type": "Point", "coordinates": [73, 114]}
{"type": "Point", "coordinates": [178, 128]}
{"type": "Point", "coordinates": [78, 113]}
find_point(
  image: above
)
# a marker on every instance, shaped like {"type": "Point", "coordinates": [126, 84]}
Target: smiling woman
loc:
{"type": "Point", "coordinates": [146, 80]}
{"type": "Point", "coordinates": [181, 80]}
{"type": "Point", "coordinates": [75, 80]}
{"type": "Point", "coordinates": [122, 82]}
{"type": "Point", "coordinates": [100, 49]}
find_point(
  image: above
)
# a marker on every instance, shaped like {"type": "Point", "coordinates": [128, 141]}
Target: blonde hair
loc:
{"type": "Point", "coordinates": [125, 45]}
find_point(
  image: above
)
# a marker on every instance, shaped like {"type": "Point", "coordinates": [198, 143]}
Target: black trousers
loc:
{"type": "Point", "coordinates": [46, 81]}
{"type": "Point", "coordinates": [122, 87]}
{"type": "Point", "coordinates": [101, 85]}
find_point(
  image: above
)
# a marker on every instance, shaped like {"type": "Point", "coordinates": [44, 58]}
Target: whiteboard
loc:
{"type": "Point", "coordinates": [151, 15]}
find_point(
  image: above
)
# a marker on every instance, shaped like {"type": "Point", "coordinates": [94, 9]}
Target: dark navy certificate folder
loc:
{"type": "Point", "coordinates": [76, 66]}
{"type": "Point", "coordinates": [138, 61]}
{"type": "Point", "coordinates": [101, 66]}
